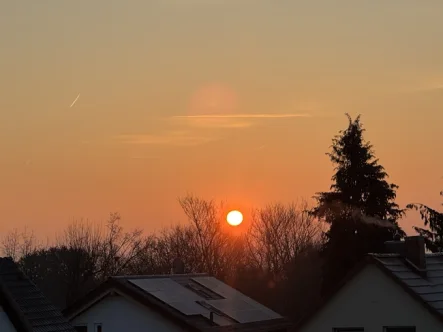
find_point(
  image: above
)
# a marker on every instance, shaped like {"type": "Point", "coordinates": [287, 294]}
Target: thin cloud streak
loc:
{"type": "Point", "coordinates": [232, 121]}
{"type": "Point", "coordinates": [198, 2]}
{"type": "Point", "coordinates": [243, 116]}
{"type": "Point", "coordinates": [222, 123]}
{"type": "Point", "coordinates": [173, 138]}
{"type": "Point", "coordinates": [436, 87]}
{"type": "Point", "coordinates": [424, 88]}
{"type": "Point", "coordinates": [189, 137]}
{"type": "Point", "coordinates": [430, 88]}
{"type": "Point", "coordinates": [144, 157]}
{"type": "Point", "coordinates": [261, 147]}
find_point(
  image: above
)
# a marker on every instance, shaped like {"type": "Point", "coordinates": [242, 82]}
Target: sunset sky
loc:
{"type": "Point", "coordinates": [235, 100]}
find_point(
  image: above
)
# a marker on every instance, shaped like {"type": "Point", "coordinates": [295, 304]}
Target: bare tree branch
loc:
{"type": "Point", "coordinates": [279, 234]}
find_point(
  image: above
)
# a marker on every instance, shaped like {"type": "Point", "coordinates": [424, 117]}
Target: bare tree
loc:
{"type": "Point", "coordinates": [109, 248]}
{"type": "Point", "coordinates": [179, 241]}
{"type": "Point", "coordinates": [119, 248]}
{"type": "Point", "coordinates": [155, 258]}
{"type": "Point", "coordinates": [84, 255]}
{"type": "Point", "coordinates": [280, 233]}
{"type": "Point", "coordinates": [211, 242]}
{"type": "Point", "coordinates": [18, 244]}
{"type": "Point", "coordinates": [82, 234]}
{"type": "Point", "coordinates": [63, 273]}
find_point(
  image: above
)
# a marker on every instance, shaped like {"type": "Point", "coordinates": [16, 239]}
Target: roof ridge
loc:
{"type": "Point", "coordinates": [158, 276]}
{"type": "Point", "coordinates": [182, 312]}
{"type": "Point", "coordinates": [384, 254]}
{"type": "Point", "coordinates": [430, 254]}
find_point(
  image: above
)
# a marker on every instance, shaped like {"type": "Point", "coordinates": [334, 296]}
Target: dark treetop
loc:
{"type": "Point", "coordinates": [360, 207]}
{"type": "Point", "coordinates": [434, 220]}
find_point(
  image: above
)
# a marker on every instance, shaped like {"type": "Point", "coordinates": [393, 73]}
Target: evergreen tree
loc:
{"type": "Point", "coordinates": [359, 208]}
{"type": "Point", "coordinates": [434, 220]}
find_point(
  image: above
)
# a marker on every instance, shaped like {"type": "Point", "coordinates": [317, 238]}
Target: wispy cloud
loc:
{"type": "Point", "coordinates": [198, 2]}
{"type": "Point", "coordinates": [434, 87]}
{"type": "Point", "coordinates": [212, 122]}
{"type": "Point", "coordinates": [244, 116]}
{"type": "Point", "coordinates": [429, 87]}
{"type": "Point", "coordinates": [168, 138]}
{"type": "Point", "coordinates": [230, 121]}
{"type": "Point", "coordinates": [261, 147]}
{"type": "Point", "coordinates": [144, 157]}
{"type": "Point", "coordinates": [206, 122]}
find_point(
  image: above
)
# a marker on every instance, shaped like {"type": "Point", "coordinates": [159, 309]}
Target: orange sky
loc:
{"type": "Point", "coordinates": [153, 76]}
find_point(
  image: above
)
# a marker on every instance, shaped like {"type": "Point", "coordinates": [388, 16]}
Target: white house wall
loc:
{"type": "Point", "coordinates": [5, 323]}
{"type": "Point", "coordinates": [372, 300]}
{"type": "Point", "coordinates": [120, 314]}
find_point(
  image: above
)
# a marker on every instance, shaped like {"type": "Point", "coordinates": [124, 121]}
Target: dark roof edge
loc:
{"type": "Point", "coordinates": [408, 290]}
{"type": "Point", "coordinates": [121, 285]}
{"type": "Point", "coordinates": [369, 259]}
{"type": "Point", "coordinates": [258, 326]}
{"type": "Point", "coordinates": [13, 312]}
{"type": "Point", "coordinates": [12, 309]}
{"type": "Point", "coordinates": [87, 300]}
{"type": "Point", "coordinates": [325, 300]}
{"type": "Point", "coordinates": [193, 275]}
{"type": "Point", "coordinates": [115, 283]}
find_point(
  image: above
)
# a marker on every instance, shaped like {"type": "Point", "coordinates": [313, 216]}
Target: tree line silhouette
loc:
{"type": "Point", "coordinates": [289, 258]}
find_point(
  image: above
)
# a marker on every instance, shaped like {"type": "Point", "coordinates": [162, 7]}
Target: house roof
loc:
{"type": "Point", "coordinates": [188, 300]}
{"type": "Point", "coordinates": [25, 304]}
{"type": "Point", "coordinates": [426, 289]}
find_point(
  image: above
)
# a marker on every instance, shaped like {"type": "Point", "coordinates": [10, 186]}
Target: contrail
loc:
{"type": "Point", "coordinates": [74, 101]}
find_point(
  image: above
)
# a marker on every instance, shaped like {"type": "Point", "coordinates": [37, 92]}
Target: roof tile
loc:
{"type": "Point", "coordinates": [28, 302]}
{"type": "Point", "coordinates": [429, 288]}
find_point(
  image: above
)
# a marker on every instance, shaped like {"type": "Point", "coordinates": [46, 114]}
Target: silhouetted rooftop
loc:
{"type": "Point", "coordinates": [26, 306]}
{"type": "Point", "coordinates": [196, 301]}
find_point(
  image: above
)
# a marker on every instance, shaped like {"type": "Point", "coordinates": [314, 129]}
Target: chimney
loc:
{"type": "Point", "coordinates": [415, 251]}
{"type": "Point", "coordinates": [178, 267]}
{"type": "Point", "coordinates": [395, 247]}
{"type": "Point", "coordinates": [412, 249]}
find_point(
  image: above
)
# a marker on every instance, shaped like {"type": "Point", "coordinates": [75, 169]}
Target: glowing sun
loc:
{"type": "Point", "coordinates": [234, 218]}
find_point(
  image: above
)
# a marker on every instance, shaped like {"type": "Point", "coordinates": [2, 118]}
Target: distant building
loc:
{"type": "Point", "coordinates": [399, 291]}
{"type": "Point", "coordinates": [176, 302]}
{"type": "Point", "coordinates": [23, 307]}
